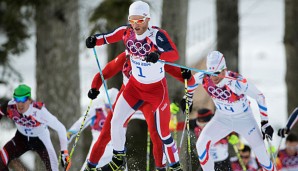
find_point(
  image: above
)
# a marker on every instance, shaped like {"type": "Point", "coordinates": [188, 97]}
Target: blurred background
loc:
{"type": "Point", "coordinates": [43, 45]}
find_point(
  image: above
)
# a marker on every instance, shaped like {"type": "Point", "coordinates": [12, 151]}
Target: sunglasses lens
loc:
{"type": "Point", "coordinates": [21, 99]}
{"type": "Point", "coordinates": [131, 21]}
{"type": "Point", "coordinates": [139, 21]}
{"type": "Point", "coordinates": [217, 72]}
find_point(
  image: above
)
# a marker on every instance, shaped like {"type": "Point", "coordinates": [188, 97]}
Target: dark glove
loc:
{"type": "Point", "coordinates": [267, 130]}
{"type": "Point", "coordinates": [91, 42]}
{"type": "Point", "coordinates": [93, 93]}
{"type": "Point", "coordinates": [65, 159]}
{"type": "Point", "coordinates": [186, 73]}
{"type": "Point", "coordinates": [282, 132]}
{"type": "Point", "coordinates": [183, 102]}
{"type": "Point", "coordinates": [152, 57]}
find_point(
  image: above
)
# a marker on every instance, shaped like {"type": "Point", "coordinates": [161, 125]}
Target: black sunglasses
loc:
{"type": "Point", "coordinates": [217, 72]}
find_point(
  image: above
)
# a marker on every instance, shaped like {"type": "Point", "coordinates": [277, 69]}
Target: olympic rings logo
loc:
{"type": "Point", "coordinates": [219, 93]}
{"type": "Point", "coordinates": [137, 48]}
{"type": "Point", "coordinates": [24, 121]}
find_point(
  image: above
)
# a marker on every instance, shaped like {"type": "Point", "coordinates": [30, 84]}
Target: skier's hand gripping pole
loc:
{"type": "Point", "coordinates": [284, 131]}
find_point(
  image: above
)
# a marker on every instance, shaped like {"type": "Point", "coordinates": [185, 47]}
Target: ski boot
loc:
{"type": "Point", "coordinates": [175, 167]}
{"type": "Point", "coordinates": [90, 166]}
{"type": "Point", "coordinates": [161, 169]}
{"type": "Point", "coordinates": [118, 162]}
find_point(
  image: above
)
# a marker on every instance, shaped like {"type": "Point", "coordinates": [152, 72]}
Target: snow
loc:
{"type": "Point", "coordinates": [261, 52]}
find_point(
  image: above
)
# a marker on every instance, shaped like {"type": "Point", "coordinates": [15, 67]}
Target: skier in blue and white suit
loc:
{"type": "Point", "coordinates": [229, 92]}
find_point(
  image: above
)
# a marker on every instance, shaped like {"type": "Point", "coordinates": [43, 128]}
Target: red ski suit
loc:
{"type": "Point", "coordinates": [121, 63]}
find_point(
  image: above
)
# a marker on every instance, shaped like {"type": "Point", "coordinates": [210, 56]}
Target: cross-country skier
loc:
{"type": "Point", "coordinates": [121, 63]}
{"type": "Point", "coordinates": [32, 120]}
{"type": "Point", "coordinates": [96, 119]}
{"type": "Point", "coordinates": [145, 45]}
{"type": "Point", "coordinates": [233, 112]}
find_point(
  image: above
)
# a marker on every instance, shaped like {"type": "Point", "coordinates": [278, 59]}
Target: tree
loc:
{"type": "Point", "coordinates": [57, 65]}
{"type": "Point", "coordinates": [228, 31]}
{"type": "Point", "coordinates": [291, 48]}
{"type": "Point", "coordinates": [175, 23]}
{"type": "Point", "coordinates": [17, 16]}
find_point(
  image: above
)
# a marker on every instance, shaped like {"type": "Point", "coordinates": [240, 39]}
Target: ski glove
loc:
{"type": "Point", "coordinates": [91, 42]}
{"type": "Point", "coordinates": [186, 73]}
{"type": "Point", "coordinates": [65, 159]}
{"type": "Point", "coordinates": [282, 132]}
{"type": "Point", "coordinates": [267, 130]}
{"type": "Point", "coordinates": [93, 93]}
{"type": "Point", "coordinates": [183, 102]}
{"type": "Point", "coordinates": [152, 57]}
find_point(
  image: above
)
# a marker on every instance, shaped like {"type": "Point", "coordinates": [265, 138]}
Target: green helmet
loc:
{"type": "Point", "coordinates": [22, 91]}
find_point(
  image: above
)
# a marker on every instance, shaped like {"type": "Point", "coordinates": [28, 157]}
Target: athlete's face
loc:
{"type": "Point", "coordinates": [220, 75]}
{"type": "Point", "coordinates": [245, 156]}
{"type": "Point", "coordinates": [292, 148]}
{"type": "Point", "coordinates": [22, 106]}
{"type": "Point", "coordinates": [139, 23]}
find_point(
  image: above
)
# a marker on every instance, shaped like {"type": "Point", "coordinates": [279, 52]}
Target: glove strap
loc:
{"type": "Point", "coordinates": [189, 95]}
{"type": "Point", "coordinates": [265, 126]}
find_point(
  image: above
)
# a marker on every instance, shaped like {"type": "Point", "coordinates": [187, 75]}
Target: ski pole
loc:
{"type": "Point", "coordinates": [68, 163]}
{"type": "Point", "coordinates": [239, 157]}
{"type": "Point", "coordinates": [272, 156]}
{"type": "Point", "coordinates": [101, 76]}
{"type": "Point", "coordinates": [148, 152]}
{"type": "Point", "coordinates": [203, 71]}
{"type": "Point", "coordinates": [183, 132]}
{"type": "Point", "coordinates": [278, 147]}
{"type": "Point", "coordinates": [187, 123]}
{"type": "Point", "coordinates": [59, 160]}
{"type": "Point", "coordinates": [234, 140]}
